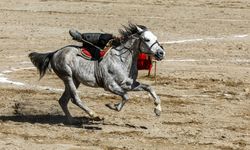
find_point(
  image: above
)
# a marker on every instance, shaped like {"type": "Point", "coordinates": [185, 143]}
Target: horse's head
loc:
{"type": "Point", "coordinates": [149, 45]}
{"type": "Point", "coordinates": [146, 41]}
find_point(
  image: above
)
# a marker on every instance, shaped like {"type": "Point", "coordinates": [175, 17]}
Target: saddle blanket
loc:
{"type": "Point", "coordinates": [85, 53]}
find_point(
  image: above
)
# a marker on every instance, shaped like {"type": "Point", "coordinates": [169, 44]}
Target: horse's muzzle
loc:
{"type": "Point", "coordinates": [159, 55]}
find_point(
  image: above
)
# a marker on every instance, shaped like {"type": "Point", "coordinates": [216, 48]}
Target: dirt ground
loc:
{"type": "Point", "coordinates": [204, 82]}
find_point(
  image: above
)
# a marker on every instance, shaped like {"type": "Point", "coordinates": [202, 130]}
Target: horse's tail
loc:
{"type": "Point", "coordinates": [41, 61]}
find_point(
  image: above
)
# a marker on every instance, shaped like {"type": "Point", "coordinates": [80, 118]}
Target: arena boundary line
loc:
{"type": "Point", "coordinates": [233, 37]}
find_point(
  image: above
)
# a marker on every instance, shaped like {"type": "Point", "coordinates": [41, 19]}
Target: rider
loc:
{"type": "Point", "coordinates": [94, 42]}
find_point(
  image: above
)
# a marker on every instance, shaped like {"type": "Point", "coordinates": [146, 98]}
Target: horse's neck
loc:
{"type": "Point", "coordinates": [128, 53]}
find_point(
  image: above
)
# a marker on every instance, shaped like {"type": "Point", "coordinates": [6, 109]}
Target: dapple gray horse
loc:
{"type": "Point", "coordinates": [116, 72]}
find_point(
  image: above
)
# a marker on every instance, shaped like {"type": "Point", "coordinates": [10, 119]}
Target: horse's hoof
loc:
{"type": "Point", "coordinates": [157, 112]}
{"type": "Point", "coordinates": [95, 117]}
{"type": "Point", "coordinates": [98, 118]}
{"type": "Point", "coordinates": [111, 106]}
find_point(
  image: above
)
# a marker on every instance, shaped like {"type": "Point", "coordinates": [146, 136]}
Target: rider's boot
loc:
{"type": "Point", "coordinates": [75, 35]}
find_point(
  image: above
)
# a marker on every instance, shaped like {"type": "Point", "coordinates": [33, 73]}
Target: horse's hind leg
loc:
{"type": "Point", "coordinates": [70, 86]}
{"type": "Point", "coordinates": [63, 101]}
{"type": "Point", "coordinates": [116, 89]}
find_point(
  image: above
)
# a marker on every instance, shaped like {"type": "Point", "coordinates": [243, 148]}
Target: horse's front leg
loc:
{"type": "Point", "coordinates": [144, 87]}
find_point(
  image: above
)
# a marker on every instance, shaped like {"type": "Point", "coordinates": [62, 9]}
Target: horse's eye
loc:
{"type": "Point", "coordinates": [146, 40]}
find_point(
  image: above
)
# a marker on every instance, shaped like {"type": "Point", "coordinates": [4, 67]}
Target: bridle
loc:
{"type": "Point", "coordinates": [142, 40]}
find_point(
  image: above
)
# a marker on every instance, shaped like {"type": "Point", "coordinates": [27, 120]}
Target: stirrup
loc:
{"type": "Point", "coordinates": [77, 36]}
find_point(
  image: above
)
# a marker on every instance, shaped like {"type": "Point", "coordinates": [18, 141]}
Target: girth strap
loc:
{"type": "Point", "coordinates": [98, 74]}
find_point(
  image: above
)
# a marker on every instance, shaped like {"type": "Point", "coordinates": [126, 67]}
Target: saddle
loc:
{"type": "Point", "coordinates": [96, 55]}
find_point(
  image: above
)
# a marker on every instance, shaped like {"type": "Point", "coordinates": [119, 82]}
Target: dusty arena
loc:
{"type": "Point", "coordinates": [204, 81]}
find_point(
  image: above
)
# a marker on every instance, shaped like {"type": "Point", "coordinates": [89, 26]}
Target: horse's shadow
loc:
{"type": "Point", "coordinates": [84, 122]}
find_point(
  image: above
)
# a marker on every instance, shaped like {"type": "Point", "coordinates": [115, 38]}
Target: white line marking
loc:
{"type": "Point", "coordinates": [5, 80]}
{"type": "Point", "coordinates": [181, 60]}
{"type": "Point", "coordinates": [233, 37]}
{"type": "Point", "coordinates": [6, 71]}
{"type": "Point", "coordinates": [46, 88]}
{"type": "Point", "coordinates": [226, 20]}
{"type": "Point", "coordinates": [195, 95]}
{"type": "Point", "coordinates": [26, 68]}
{"type": "Point", "coordinates": [238, 60]}
{"type": "Point", "coordinates": [16, 69]}
{"type": "Point", "coordinates": [26, 62]}
{"type": "Point", "coordinates": [241, 36]}
{"type": "Point", "coordinates": [208, 60]}
{"type": "Point", "coordinates": [16, 56]}
{"type": "Point", "coordinates": [182, 41]}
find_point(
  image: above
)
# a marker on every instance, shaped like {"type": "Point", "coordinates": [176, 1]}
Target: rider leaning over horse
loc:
{"type": "Point", "coordinates": [94, 42]}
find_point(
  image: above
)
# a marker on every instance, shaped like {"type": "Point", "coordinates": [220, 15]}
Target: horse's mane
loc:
{"type": "Point", "coordinates": [130, 30]}
{"type": "Point", "coordinates": [127, 32]}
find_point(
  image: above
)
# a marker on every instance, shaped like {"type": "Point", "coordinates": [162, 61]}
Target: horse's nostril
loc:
{"type": "Point", "coordinates": [161, 53]}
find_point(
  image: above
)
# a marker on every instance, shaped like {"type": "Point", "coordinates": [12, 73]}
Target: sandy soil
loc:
{"type": "Point", "coordinates": [203, 83]}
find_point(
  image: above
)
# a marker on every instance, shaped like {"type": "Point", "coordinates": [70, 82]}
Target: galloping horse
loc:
{"type": "Point", "coordinates": [116, 72]}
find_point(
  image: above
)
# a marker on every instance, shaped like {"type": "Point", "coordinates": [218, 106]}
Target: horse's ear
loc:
{"type": "Point", "coordinates": [139, 29]}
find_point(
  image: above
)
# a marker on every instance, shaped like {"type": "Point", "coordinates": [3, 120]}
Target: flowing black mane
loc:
{"type": "Point", "coordinates": [130, 30]}
{"type": "Point", "coordinates": [126, 33]}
